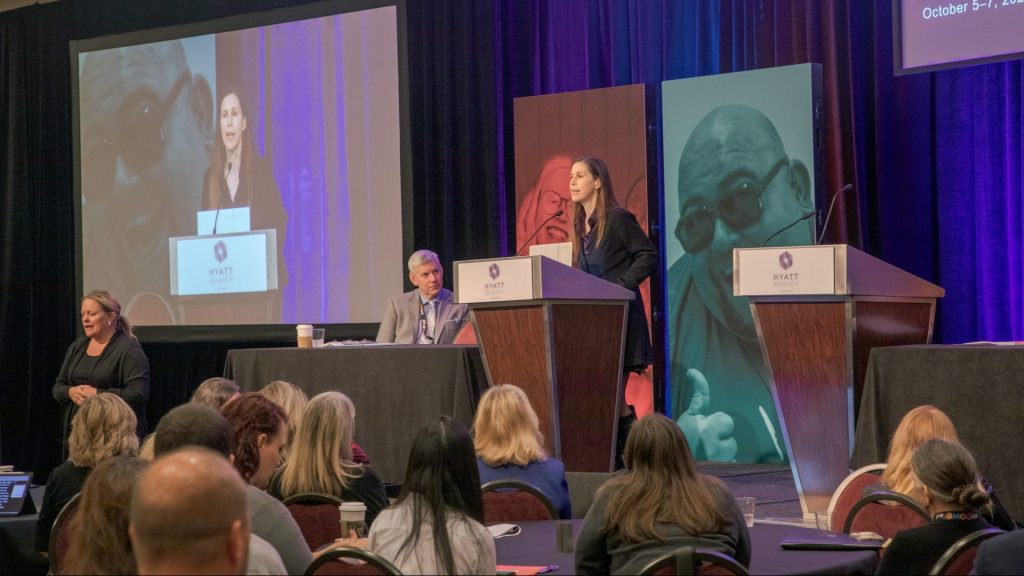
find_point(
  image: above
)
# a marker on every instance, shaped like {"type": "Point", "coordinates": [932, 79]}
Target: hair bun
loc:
{"type": "Point", "coordinates": [970, 495]}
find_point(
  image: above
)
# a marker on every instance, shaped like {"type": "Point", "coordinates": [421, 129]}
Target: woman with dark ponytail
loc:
{"type": "Point", "coordinates": [949, 489]}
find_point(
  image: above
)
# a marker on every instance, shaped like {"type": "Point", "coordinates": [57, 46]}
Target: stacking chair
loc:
{"type": "Point", "coordinates": [690, 560]}
{"type": "Point", "coordinates": [850, 491]}
{"type": "Point", "coordinates": [959, 558]}
{"type": "Point", "coordinates": [872, 514]}
{"type": "Point", "coordinates": [346, 560]}
{"type": "Point", "coordinates": [60, 533]}
{"type": "Point", "coordinates": [317, 516]}
{"type": "Point", "coordinates": [515, 501]}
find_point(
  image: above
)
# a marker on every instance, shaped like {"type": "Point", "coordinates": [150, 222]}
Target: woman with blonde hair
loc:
{"type": "Point", "coordinates": [510, 446]}
{"type": "Point", "coordinates": [659, 504]}
{"type": "Point", "coordinates": [918, 426]}
{"type": "Point", "coordinates": [101, 544]}
{"type": "Point", "coordinates": [103, 427]}
{"type": "Point", "coordinates": [320, 459]}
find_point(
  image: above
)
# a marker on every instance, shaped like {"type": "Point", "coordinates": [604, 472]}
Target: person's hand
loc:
{"type": "Point", "coordinates": [714, 432]}
{"type": "Point", "coordinates": [81, 393]}
{"type": "Point", "coordinates": [355, 541]}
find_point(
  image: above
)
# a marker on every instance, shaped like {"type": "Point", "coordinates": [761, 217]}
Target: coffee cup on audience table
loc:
{"type": "Point", "coordinates": [305, 335]}
{"type": "Point", "coordinates": [353, 519]}
{"type": "Point", "coordinates": [746, 504]}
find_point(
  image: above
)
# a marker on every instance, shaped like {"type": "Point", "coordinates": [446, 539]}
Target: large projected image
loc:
{"type": "Point", "coordinates": [245, 177]}
{"type": "Point", "coordinates": [934, 34]}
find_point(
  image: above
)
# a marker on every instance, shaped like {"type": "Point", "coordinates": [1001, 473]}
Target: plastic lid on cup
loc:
{"type": "Point", "coordinates": [304, 329]}
{"type": "Point", "coordinates": [352, 507]}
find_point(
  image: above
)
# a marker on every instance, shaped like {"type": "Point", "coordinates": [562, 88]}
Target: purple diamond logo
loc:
{"type": "Point", "coordinates": [220, 251]}
{"type": "Point", "coordinates": [786, 260]}
{"type": "Point", "coordinates": [494, 271]}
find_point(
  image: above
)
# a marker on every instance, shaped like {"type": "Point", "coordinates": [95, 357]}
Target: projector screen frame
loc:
{"type": "Point", "coordinates": [251, 332]}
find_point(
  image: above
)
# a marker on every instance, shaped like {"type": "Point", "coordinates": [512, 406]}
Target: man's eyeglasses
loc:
{"type": "Point", "coordinates": [739, 208]}
{"type": "Point", "coordinates": [139, 141]}
{"type": "Point", "coordinates": [551, 202]}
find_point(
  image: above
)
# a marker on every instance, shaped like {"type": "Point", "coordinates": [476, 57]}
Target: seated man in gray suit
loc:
{"type": "Point", "coordinates": [426, 315]}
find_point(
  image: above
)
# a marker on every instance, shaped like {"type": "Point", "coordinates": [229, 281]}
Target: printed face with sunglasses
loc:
{"type": "Point", "coordinates": [144, 150]}
{"type": "Point", "coordinates": [735, 190]}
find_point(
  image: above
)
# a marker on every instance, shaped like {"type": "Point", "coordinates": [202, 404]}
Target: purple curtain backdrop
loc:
{"type": "Point", "coordinates": [935, 158]}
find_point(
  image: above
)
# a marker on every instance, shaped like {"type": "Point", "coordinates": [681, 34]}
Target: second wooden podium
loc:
{"type": "Point", "coordinates": [558, 334]}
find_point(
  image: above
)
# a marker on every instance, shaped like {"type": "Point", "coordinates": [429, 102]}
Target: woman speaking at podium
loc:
{"type": "Point", "coordinates": [607, 242]}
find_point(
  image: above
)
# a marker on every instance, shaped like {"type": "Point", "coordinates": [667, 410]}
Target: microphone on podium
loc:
{"type": "Point", "coordinates": [537, 231]}
{"type": "Point", "coordinates": [788, 226]}
{"type": "Point", "coordinates": [217, 215]}
{"type": "Point", "coordinates": [831, 205]}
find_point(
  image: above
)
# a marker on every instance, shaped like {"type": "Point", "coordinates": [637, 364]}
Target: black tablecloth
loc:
{"type": "Point", "coordinates": [395, 389]}
{"type": "Point", "coordinates": [979, 387]}
{"type": "Point", "coordinates": [535, 546]}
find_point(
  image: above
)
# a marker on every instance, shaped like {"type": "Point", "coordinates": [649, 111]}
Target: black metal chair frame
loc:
{"type": "Point", "coordinates": [343, 552]}
{"type": "Point", "coordinates": [313, 498]}
{"type": "Point", "coordinates": [959, 547]}
{"type": "Point", "coordinates": [498, 485]}
{"type": "Point", "coordinates": [58, 524]}
{"type": "Point", "coordinates": [688, 559]}
{"type": "Point", "coordinates": [894, 497]}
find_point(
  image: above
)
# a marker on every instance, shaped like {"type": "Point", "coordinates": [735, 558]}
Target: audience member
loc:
{"type": "Point", "coordinates": [293, 400]}
{"type": "Point", "coordinates": [103, 427]}
{"type": "Point", "coordinates": [435, 525]}
{"type": "Point", "coordinates": [918, 426]}
{"type": "Point", "coordinates": [259, 430]}
{"type": "Point", "coordinates": [215, 392]}
{"type": "Point", "coordinates": [509, 445]}
{"type": "Point", "coordinates": [948, 488]}
{"type": "Point", "coordinates": [1001, 555]}
{"type": "Point", "coordinates": [321, 458]}
{"type": "Point", "coordinates": [657, 505]}
{"type": "Point", "coordinates": [189, 516]}
{"type": "Point", "coordinates": [196, 424]}
{"type": "Point", "coordinates": [100, 544]}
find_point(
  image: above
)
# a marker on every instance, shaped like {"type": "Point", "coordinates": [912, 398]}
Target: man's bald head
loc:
{"type": "Point", "coordinates": [190, 514]}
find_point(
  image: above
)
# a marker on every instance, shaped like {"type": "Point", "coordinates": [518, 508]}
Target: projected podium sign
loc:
{"type": "Point", "coordinates": [224, 263]}
{"type": "Point", "coordinates": [558, 334]}
{"type": "Point", "coordinates": [818, 311]}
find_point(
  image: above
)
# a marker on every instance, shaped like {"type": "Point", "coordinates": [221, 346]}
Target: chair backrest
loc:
{"type": "Point", "coordinates": [872, 514]}
{"type": "Point", "coordinates": [317, 516]}
{"type": "Point", "coordinates": [515, 500]}
{"type": "Point", "coordinates": [60, 533]}
{"type": "Point", "coordinates": [691, 560]}
{"type": "Point", "coordinates": [959, 558]}
{"type": "Point", "coordinates": [850, 491]}
{"type": "Point", "coordinates": [348, 560]}
{"type": "Point", "coordinates": [582, 488]}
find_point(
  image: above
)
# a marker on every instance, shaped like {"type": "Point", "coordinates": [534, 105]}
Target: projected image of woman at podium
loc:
{"type": "Point", "coordinates": [609, 243]}
{"type": "Point", "coordinates": [238, 177]}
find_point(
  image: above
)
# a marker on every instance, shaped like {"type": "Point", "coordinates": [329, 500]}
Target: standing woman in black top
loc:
{"type": "Point", "coordinates": [107, 359]}
{"type": "Point", "coordinates": [608, 243]}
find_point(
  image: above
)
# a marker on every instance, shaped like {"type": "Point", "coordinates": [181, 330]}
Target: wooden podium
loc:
{"type": "Point", "coordinates": [818, 311]}
{"type": "Point", "coordinates": [558, 334]}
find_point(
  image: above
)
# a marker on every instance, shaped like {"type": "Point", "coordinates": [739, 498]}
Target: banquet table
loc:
{"type": "Point", "coordinates": [396, 389]}
{"type": "Point", "coordinates": [535, 546]}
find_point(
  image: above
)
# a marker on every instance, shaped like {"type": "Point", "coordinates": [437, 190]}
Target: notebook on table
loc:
{"type": "Point", "coordinates": [15, 498]}
{"type": "Point", "coordinates": [822, 540]}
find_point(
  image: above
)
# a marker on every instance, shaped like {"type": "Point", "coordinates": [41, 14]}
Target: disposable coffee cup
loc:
{"type": "Point", "coordinates": [353, 517]}
{"type": "Point", "coordinates": [305, 335]}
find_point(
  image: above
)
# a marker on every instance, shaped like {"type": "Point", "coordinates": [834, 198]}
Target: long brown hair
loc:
{"type": "Point", "coordinates": [215, 178]}
{"type": "Point", "coordinates": [917, 427]}
{"type": "Point", "coordinates": [661, 485]}
{"type": "Point", "coordinates": [101, 544]}
{"type": "Point", "coordinates": [605, 202]}
{"type": "Point", "coordinates": [250, 415]}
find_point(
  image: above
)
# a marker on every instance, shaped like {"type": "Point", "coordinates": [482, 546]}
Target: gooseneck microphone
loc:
{"type": "Point", "coordinates": [790, 225]}
{"type": "Point", "coordinates": [537, 231]}
{"type": "Point", "coordinates": [831, 205]}
{"type": "Point", "coordinates": [217, 215]}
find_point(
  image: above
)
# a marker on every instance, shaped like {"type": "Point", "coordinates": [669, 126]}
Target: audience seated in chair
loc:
{"type": "Point", "coordinates": [103, 427]}
{"type": "Point", "coordinates": [100, 527]}
{"type": "Point", "coordinates": [659, 504]}
{"type": "Point", "coordinates": [515, 501]}
{"type": "Point", "coordinates": [694, 560]}
{"type": "Point", "coordinates": [321, 458]}
{"type": "Point", "coordinates": [435, 525]}
{"type": "Point", "coordinates": [213, 392]}
{"type": "Point", "coordinates": [189, 516]}
{"type": "Point", "coordinates": [61, 534]}
{"type": "Point", "coordinates": [1001, 555]}
{"type": "Point", "coordinates": [510, 446]}
{"type": "Point", "coordinates": [885, 514]}
{"type": "Point", "coordinates": [351, 560]}
{"type": "Point", "coordinates": [196, 424]}
{"type": "Point", "coordinates": [317, 516]}
{"type": "Point", "coordinates": [915, 428]}
{"type": "Point", "coordinates": [949, 490]}
{"type": "Point", "coordinates": [958, 559]}
{"type": "Point", "coordinates": [293, 401]}
{"type": "Point", "coordinates": [850, 490]}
